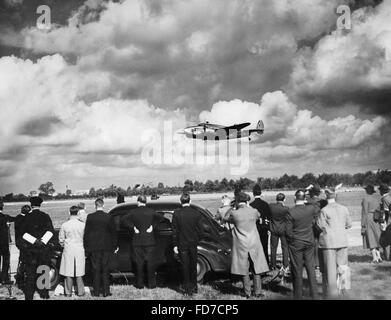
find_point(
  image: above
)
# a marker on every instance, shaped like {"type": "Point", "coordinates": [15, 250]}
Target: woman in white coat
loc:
{"type": "Point", "coordinates": [73, 257]}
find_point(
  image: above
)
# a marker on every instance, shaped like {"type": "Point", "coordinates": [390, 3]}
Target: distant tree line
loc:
{"type": "Point", "coordinates": [285, 182]}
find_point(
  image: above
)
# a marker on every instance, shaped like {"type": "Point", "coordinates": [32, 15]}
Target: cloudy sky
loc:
{"type": "Point", "coordinates": [76, 99]}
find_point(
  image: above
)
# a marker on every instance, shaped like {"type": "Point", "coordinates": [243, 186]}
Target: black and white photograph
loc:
{"type": "Point", "coordinates": [214, 152]}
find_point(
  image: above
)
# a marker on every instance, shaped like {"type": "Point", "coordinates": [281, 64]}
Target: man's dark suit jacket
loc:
{"type": "Point", "coordinates": [19, 219]}
{"type": "Point", "coordinates": [186, 227]}
{"type": "Point", "coordinates": [37, 223]}
{"type": "Point", "coordinates": [279, 213]}
{"type": "Point", "coordinates": [142, 218]}
{"type": "Point", "coordinates": [299, 223]}
{"type": "Point", "coordinates": [264, 209]}
{"type": "Point", "coordinates": [4, 241]}
{"type": "Point", "coordinates": [99, 233]}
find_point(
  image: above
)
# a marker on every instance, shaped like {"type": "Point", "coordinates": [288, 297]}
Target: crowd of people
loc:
{"type": "Point", "coordinates": [312, 234]}
{"type": "Point", "coordinates": [94, 236]}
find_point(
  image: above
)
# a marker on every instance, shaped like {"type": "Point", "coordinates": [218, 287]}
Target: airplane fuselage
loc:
{"type": "Point", "coordinates": [221, 134]}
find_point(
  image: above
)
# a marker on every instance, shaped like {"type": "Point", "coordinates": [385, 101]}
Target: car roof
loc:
{"type": "Point", "coordinates": [164, 204]}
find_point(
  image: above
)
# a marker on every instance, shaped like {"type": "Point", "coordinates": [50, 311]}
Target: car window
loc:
{"type": "Point", "coordinates": [167, 215]}
{"type": "Point", "coordinates": [117, 215]}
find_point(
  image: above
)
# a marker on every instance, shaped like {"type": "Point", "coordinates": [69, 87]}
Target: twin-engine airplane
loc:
{"type": "Point", "coordinates": [208, 131]}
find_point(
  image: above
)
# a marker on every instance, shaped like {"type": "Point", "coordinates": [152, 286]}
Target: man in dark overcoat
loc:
{"type": "Point", "coordinates": [100, 241]}
{"type": "Point", "coordinates": [279, 213]}
{"type": "Point", "coordinates": [4, 245]}
{"type": "Point", "coordinates": [36, 235]}
{"type": "Point", "coordinates": [300, 236]}
{"type": "Point", "coordinates": [263, 224]}
{"type": "Point", "coordinates": [142, 222]}
{"type": "Point", "coordinates": [187, 232]}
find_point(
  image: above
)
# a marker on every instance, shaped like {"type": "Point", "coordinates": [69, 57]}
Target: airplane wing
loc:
{"type": "Point", "coordinates": [238, 126]}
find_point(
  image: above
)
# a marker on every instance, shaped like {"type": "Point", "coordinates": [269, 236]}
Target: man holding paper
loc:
{"type": "Point", "coordinates": [37, 230]}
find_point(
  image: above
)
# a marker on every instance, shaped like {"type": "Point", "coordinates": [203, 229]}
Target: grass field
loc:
{"type": "Point", "coordinates": [369, 282]}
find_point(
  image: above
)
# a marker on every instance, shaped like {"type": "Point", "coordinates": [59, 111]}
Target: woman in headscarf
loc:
{"type": "Point", "coordinates": [370, 227]}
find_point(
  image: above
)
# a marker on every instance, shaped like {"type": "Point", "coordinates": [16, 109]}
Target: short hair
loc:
{"type": "Point", "coordinates": [99, 202]}
{"type": "Point", "coordinates": [257, 190]}
{"type": "Point", "coordinates": [74, 210]}
{"type": "Point", "coordinates": [330, 193]}
{"type": "Point", "coordinates": [142, 198]}
{"type": "Point", "coordinates": [185, 198]}
{"type": "Point", "coordinates": [315, 190]}
{"type": "Point", "coordinates": [81, 205]}
{"type": "Point", "coordinates": [25, 209]}
{"type": "Point", "coordinates": [300, 194]}
{"type": "Point", "coordinates": [120, 198]}
{"type": "Point", "coordinates": [280, 197]}
{"type": "Point", "coordinates": [370, 189]}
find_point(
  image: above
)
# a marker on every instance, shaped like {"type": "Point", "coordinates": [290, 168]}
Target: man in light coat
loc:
{"type": "Point", "coordinates": [334, 220]}
{"type": "Point", "coordinates": [247, 250]}
{"type": "Point", "coordinates": [73, 257]}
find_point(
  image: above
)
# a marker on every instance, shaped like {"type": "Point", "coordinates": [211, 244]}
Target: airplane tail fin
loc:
{"type": "Point", "coordinates": [260, 128]}
{"type": "Point", "coordinates": [260, 125]}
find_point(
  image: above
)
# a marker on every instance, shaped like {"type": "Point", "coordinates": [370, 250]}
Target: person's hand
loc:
{"type": "Point", "coordinates": [38, 243]}
{"type": "Point", "coordinates": [260, 220]}
{"type": "Point", "coordinates": [176, 250]}
{"type": "Point", "coordinates": [363, 230]}
{"type": "Point", "coordinates": [116, 250]}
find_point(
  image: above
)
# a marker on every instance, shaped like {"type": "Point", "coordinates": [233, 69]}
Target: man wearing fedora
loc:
{"type": "Point", "coordinates": [37, 231]}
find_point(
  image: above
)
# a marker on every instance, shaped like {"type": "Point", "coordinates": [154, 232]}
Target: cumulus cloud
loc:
{"type": "Point", "coordinates": [118, 68]}
{"type": "Point", "coordinates": [186, 54]}
{"type": "Point", "coordinates": [350, 67]}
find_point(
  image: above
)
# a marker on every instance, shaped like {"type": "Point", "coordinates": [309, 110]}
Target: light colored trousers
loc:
{"type": "Point", "coordinates": [257, 284]}
{"type": "Point", "coordinates": [79, 285]}
{"type": "Point", "coordinates": [247, 282]}
{"type": "Point", "coordinates": [331, 259]}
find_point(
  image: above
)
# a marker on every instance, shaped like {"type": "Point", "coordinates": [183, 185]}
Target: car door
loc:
{"type": "Point", "coordinates": [121, 261]}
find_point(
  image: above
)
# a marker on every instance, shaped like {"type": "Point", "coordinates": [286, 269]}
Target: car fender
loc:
{"type": "Point", "coordinates": [219, 261]}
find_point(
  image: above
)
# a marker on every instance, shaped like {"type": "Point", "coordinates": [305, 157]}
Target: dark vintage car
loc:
{"type": "Point", "coordinates": [214, 250]}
